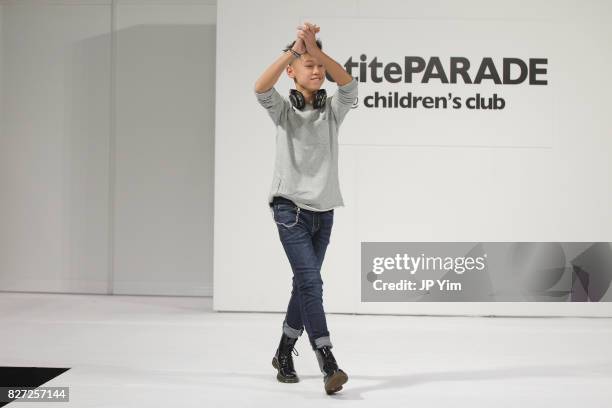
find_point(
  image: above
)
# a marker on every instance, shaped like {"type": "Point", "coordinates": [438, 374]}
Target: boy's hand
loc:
{"type": "Point", "coordinates": [306, 33]}
{"type": "Point", "coordinates": [299, 45]}
{"type": "Point", "coordinates": [311, 26]}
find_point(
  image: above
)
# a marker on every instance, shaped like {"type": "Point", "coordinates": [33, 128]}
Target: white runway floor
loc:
{"type": "Point", "coordinates": [135, 351]}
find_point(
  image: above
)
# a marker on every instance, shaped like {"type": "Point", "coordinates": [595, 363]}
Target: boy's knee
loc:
{"type": "Point", "coordinates": [310, 285]}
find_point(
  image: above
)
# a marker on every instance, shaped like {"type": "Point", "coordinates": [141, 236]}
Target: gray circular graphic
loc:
{"type": "Point", "coordinates": [538, 265]}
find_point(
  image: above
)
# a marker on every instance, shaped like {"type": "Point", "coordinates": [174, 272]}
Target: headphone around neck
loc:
{"type": "Point", "coordinates": [297, 99]}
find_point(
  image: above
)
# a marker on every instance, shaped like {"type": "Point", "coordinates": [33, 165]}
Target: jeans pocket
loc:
{"type": "Point", "coordinates": [286, 215]}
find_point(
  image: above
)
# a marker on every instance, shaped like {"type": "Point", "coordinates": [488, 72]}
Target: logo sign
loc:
{"type": "Point", "coordinates": [448, 82]}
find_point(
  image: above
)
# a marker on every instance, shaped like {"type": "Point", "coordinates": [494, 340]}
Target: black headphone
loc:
{"type": "Point", "coordinates": [297, 99]}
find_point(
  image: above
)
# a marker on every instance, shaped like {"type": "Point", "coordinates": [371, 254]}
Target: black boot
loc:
{"type": "Point", "coordinates": [283, 361]}
{"type": "Point", "coordinates": [333, 376]}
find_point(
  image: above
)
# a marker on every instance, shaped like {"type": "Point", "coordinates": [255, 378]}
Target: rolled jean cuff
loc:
{"type": "Point", "coordinates": [323, 341]}
{"type": "Point", "coordinates": [291, 332]}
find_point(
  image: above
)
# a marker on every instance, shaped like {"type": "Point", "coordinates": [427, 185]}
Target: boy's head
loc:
{"type": "Point", "coordinates": [306, 71]}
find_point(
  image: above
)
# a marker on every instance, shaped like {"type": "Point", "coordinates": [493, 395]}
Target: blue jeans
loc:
{"type": "Point", "coordinates": [305, 236]}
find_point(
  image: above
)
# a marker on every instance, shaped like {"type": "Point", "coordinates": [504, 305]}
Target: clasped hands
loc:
{"type": "Point", "coordinates": [306, 40]}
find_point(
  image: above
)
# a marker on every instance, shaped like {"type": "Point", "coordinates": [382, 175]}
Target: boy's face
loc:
{"type": "Point", "coordinates": [308, 72]}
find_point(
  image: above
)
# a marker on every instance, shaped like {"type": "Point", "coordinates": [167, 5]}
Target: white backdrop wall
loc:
{"type": "Point", "coordinates": [550, 185]}
{"type": "Point", "coordinates": [106, 146]}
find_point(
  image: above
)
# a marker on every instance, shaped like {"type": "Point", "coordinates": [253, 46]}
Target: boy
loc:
{"type": "Point", "coordinates": [305, 189]}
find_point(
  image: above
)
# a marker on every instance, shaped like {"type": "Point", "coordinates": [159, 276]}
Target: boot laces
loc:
{"type": "Point", "coordinates": [285, 357]}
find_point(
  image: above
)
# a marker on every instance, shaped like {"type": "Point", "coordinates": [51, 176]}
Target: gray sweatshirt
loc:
{"type": "Point", "coordinates": [306, 166]}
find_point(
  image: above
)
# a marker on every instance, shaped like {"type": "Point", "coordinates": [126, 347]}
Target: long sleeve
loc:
{"type": "Point", "coordinates": [343, 99]}
{"type": "Point", "coordinates": [275, 104]}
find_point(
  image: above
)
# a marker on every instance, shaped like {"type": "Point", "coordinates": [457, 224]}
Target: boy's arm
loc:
{"type": "Point", "coordinates": [335, 70]}
{"type": "Point", "coordinates": [306, 33]}
{"type": "Point", "coordinates": [273, 72]}
{"type": "Point", "coordinates": [266, 94]}
{"type": "Point", "coordinates": [343, 98]}
{"type": "Point", "coordinates": [270, 76]}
